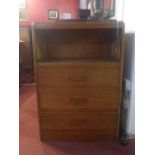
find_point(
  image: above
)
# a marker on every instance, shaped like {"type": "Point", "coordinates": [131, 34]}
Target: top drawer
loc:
{"type": "Point", "coordinates": [78, 77]}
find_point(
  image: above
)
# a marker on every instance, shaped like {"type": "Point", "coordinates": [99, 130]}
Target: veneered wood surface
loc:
{"type": "Point", "coordinates": [83, 135]}
{"type": "Point", "coordinates": [79, 25]}
{"type": "Point", "coordinates": [105, 121]}
{"type": "Point", "coordinates": [83, 59]}
{"type": "Point", "coordinates": [78, 77]}
{"type": "Point", "coordinates": [79, 99]}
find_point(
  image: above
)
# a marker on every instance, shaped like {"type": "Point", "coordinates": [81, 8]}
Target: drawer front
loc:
{"type": "Point", "coordinates": [78, 77]}
{"type": "Point", "coordinates": [82, 99]}
{"type": "Point", "coordinates": [79, 121]}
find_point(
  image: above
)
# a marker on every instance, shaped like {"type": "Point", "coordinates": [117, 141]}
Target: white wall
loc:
{"type": "Point", "coordinates": [129, 74]}
{"type": "Point", "coordinates": [128, 17]}
{"type": "Point", "coordinates": [131, 111]}
{"type": "Point", "coordinates": [125, 11]}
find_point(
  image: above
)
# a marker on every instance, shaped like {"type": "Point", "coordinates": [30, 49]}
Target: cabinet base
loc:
{"type": "Point", "coordinates": [86, 135]}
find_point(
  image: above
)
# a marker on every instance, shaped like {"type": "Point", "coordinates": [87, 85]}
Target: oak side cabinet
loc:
{"type": "Point", "coordinates": [78, 69]}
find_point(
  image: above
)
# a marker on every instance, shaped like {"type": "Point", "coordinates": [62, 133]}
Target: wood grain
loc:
{"type": "Point", "coordinates": [79, 121]}
{"type": "Point", "coordinates": [71, 63]}
{"type": "Point", "coordinates": [96, 43]}
{"type": "Point", "coordinates": [80, 99]}
{"type": "Point", "coordinates": [78, 67]}
{"type": "Point", "coordinates": [79, 25]}
{"type": "Point", "coordinates": [72, 135]}
{"type": "Point", "coordinates": [78, 78]}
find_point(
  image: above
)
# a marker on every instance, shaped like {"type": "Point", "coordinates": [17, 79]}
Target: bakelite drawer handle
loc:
{"type": "Point", "coordinates": [79, 122]}
{"type": "Point", "coordinates": [79, 100]}
{"type": "Point", "coordinates": [78, 78]}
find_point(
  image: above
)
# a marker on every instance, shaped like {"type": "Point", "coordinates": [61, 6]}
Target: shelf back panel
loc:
{"type": "Point", "coordinates": [82, 43]}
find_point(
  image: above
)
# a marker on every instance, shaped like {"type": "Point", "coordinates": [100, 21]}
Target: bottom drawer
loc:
{"type": "Point", "coordinates": [106, 121]}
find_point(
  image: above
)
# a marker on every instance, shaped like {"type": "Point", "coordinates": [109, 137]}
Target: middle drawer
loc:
{"type": "Point", "coordinates": [83, 99]}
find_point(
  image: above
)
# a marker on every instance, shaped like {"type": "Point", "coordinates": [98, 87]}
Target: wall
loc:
{"type": "Point", "coordinates": [38, 12]}
{"type": "Point", "coordinates": [129, 73]}
{"type": "Point", "coordinates": [38, 9]}
{"type": "Point", "coordinates": [128, 17]}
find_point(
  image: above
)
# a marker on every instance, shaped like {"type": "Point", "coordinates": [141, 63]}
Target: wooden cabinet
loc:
{"type": "Point", "coordinates": [78, 68]}
{"type": "Point", "coordinates": [26, 54]}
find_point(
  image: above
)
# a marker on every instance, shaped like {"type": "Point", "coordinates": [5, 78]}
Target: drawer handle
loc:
{"type": "Point", "coordinates": [78, 78]}
{"type": "Point", "coordinates": [79, 100]}
{"type": "Point", "coordinates": [79, 122]}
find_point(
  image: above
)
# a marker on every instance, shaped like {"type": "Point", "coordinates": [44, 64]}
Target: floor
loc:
{"type": "Point", "coordinates": [29, 134]}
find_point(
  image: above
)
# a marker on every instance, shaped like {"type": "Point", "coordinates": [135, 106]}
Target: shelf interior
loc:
{"type": "Point", "coordinates": [78, 44]}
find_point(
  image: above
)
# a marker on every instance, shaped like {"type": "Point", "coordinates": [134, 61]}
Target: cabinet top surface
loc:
{"type": "Point", "coordinates": [79, 25]}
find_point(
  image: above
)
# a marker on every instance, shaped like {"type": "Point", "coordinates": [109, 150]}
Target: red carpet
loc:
{"type": "Point", "coordinates": [31, 145]}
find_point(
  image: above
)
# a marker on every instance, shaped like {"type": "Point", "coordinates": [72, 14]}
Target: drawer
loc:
{"type": "Point", "coordinates": [79, 121]}
{"type": "Point", "coordinates": [78, 77]}
{"type": "Point", "coordinates": [80, 99]}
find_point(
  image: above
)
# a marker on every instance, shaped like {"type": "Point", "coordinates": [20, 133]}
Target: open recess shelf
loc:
{"type": "Point", "coordinates": [83, 42]}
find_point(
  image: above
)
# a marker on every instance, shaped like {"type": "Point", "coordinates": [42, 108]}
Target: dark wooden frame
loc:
{"type": "Point", "coordinates": [56, 12]}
